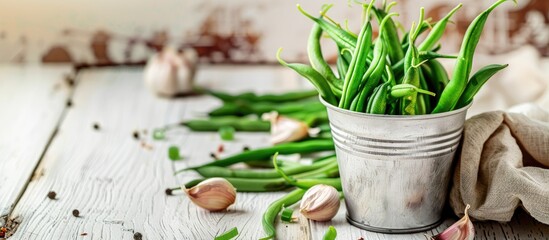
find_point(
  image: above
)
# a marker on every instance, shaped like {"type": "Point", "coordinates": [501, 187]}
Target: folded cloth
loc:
{"type": "Point", "coordinates": [504, 164]}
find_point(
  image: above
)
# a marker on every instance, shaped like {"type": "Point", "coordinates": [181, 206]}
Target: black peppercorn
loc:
{"type": "Point", "coordinates": [52, 194]}
{"type": "Point", "coordinates": [137, 236]}
{"type": "Point", "coordinates": [76, 213]}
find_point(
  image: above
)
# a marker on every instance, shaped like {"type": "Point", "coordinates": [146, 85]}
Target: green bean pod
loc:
{"type": "Point", "coordinates": [270, 98]}
{"type": "Point", "coordinates": [270, 215]}
{"type": "Point", "coordinates": [437, 31]}
{"type": "Point", "coordinates": [342, 67]}
{"type": "Point", "coordinates": [477, 81]}
{"type": "Point", "coordinates": [313, 76]}
{"type": "Point", "coordinates": [216, 171]}
{"type": "Point", "coordinates": [408, 104]}
{"type": "Point", "coordinates": [372, 76]}
{"type": "Point", "coordinates": [451, 94]}
{"type": "Point", "coordinates": [306, 183]}
{"type": "Point", "coordinates": [331, 234]}
{"type": "Point", "coordinates": [390, 35]}
{"type": "Point", "coordinates": [399, 66]}
{"type": "Point", "coordinates": [438, 76]}
{"type": "Point", "coordinates": [239, 124]}
{"type": "Point", "coordinates": [379, 99]}
{"type": "Point", "coordinates": [356, 67]}
{"type": "Point", "coordinates": [424, 102]}
{"type": "Point", "coordinates": [317, 61]}
{"type": "Point", "coordinates": [404, 90]}
{"type": "Point", "coordinates": [308, 146]}
{"type": "Point", "coordinates": [342, 38]}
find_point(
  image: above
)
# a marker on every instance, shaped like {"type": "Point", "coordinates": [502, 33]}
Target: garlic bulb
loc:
{"type": "Point", "coordinates": [214, 194]}
{"type": "Point", "coordinates": [461, 230]}
{"type": "Point", "coordinates": [284, 129]}
{"type": "Point", "coordinates": [532, 111]}
{"type": "Point", "coordinates": [320, 203]}
{"type": "Point", "coordinates": [169, 73]}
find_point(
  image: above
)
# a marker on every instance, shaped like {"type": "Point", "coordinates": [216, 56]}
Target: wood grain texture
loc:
{"type": "Point", "coordinates": [117, 185]}
{"type": "Point", "coordinates": [32, 99]}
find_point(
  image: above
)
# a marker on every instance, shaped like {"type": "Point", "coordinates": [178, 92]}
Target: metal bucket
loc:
{"type": "Point", "coordinates": [395, 170]}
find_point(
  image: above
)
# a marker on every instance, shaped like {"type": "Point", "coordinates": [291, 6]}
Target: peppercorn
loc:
{"type": "Point", "coordinates": [137, 236]}
{"type": "Point", "coordinates": [96, 126]}
{"type": "Point", "coordinates": [169, 191]}
{"type": "Point", "coordinates": [52, 195]}
{"type": "Point", "coordinates": [136, 135]}
{"type": "Point", "coordinates": [76, 213]}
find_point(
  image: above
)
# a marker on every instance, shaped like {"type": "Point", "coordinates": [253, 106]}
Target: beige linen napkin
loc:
{"type": "Point", "coordinates": [504, 164]}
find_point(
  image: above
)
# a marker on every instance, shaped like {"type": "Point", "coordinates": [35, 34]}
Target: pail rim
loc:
{"type": "Point", "coordinates": [400, 117]}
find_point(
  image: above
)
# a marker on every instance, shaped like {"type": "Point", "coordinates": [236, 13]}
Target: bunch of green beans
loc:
{"type": "Point", "coordinates": [370, 71]}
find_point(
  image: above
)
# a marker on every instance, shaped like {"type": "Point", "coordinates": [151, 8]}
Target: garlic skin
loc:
{"type": "Point", "coordinates": [320, 203]}
{"type": "Point", "coordinates": [214, 194]}
{"type": "Point", "coordinates": [461, 230]}
{"type": "Point", "coordinates": [284, 129]}
{"type": "Point", "coordinates": [169, 73]}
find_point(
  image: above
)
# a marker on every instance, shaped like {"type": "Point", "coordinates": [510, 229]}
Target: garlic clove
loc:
{"type": "Point", "coordinates": [169, 73]}
{"type": "Point", "coordinates": [213, 194]}
{"type": "Point", "coordinates": [320, 203]}
{"type": "Point", "coordinates": [460, 230]}
{"type": "Point", "coordinates": [284, 129]}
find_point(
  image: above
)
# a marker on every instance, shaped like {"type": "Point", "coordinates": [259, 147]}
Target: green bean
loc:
{"type": "Point", "coordinates": [403, 90]}
{"type": "Point", "coordinates": [371, 78]}
{"type": "Point", "coordinates": [438, 77]}
{"type": "Point", "coordinates": [239, 124]}
{"type": "Point", "coordinates": [270, 215]}
{"type": "Point", "coordinates": [278, 184]}
{"type": "Point", "coordinates": [308, 146]}
{"type": "Point", "coordinates": [390, 36]}
{"type": "Point", "coordinates": [408, 104]}
{"type": "Point", "coordinates": [379, 99]}
{"type": "Point", "coordinates": [356, 66]}
{"type": "Point", "coordinates": [437, 31]}
{"type": "Point", "coordinates": [451, 94]}
{"type": "Point", "coordinates": [339, 35]}
{"type": "Point", "coordinates": [317, 61]}
{"type": "Point", "coordinates": [373, 75]}
{"type": "Point", "coordinates": [216, 171]}
{"type": "Point", "coordinates": [342, 66]}
{"type": "Point", "coordinates": [399, 66]}
{"type": "Point", "coordinates": [424, 102]}
{"type": "Point", "coordinates": [306, 183]}
{"type": "Point", "coordinates": [272, 98]}
{"type": "Point", "coordinates": [331, 234]}
{"type": "Point", "coordinates": [247, 108]}
{"type": "Point", "coordinates": [477, 81]}
{"type": "Point", "coordinates": [313, 76]}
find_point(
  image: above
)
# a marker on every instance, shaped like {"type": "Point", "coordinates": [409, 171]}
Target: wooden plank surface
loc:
{"type": "Point", "coordinates": [118, 185]}
{"type": "Point", "coordinates": [32, 99]}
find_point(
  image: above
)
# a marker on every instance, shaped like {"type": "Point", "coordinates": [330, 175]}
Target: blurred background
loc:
{"type": "Point", "coordinates": [238, 31]}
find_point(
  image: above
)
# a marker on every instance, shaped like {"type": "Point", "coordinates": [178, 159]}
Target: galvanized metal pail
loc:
{"type": "Point", "coordinates": [395, 170]}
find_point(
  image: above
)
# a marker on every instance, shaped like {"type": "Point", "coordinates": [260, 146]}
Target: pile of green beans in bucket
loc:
{"type": "Point", "coordinates": [391, 74]}
{"type": "Point", "coordinates": [395, 115]}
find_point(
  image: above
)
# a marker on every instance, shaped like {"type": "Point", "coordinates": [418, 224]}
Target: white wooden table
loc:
{"type": "Point", "coordinates": [116, 183]}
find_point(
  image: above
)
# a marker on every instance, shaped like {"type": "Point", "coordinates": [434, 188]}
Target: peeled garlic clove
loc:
{"type": "Point", "coordinates": [214, 194]}
{"type": "Point", "coordinates": [284, 129]}
{"type": "Point", "coordinates": [461, 230]}
{"type": "Point", "coordinates": [320, 203]}
{"type": "Point", "coordinates": [169, 73]}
